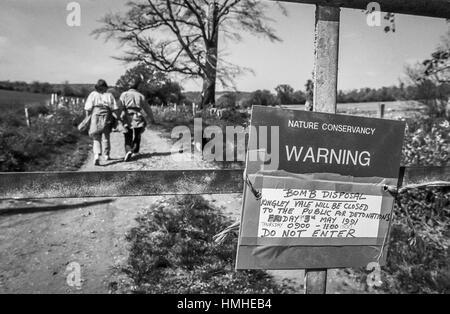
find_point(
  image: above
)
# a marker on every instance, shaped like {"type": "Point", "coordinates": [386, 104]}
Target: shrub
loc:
{"type": "Point", "coordinates": [183, 116]}
{"type": "Point", "coordinates": [38, 109]}
{"type": "Point", "coordinates": [420, 241]}
{"type": "Point", "coordinates": [235, 118]}
{"type": "Point", "coordinates": [25, 149]}
{"type": "Point", "coordinates": [419, 245]}
{"type": "Point", "coordinates": [226, 101]}
{"type": "Point", "coordinates": [172, 251]}
{"type": "Point", "coordinates": [427, 142]}
{"type": "Point", "coordinates": [260, 98]}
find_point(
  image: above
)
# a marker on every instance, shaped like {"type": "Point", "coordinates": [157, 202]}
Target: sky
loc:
{"type": "Point", "coordinates": [37, 44]}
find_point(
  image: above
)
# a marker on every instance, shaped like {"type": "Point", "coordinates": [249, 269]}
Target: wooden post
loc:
{"type": "Point", "coordinates": [53, 101]}
{"type": "Point", "coordinates": [27, 117]}
{"type": "Point", "coordinates": [325, 94]}
{"type": "Point", "coordinates": [382, 106]}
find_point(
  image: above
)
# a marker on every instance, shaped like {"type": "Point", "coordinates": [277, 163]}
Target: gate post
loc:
{"type": "Point", "coordinates": [326, 58]}
{"type": "Point", "coordinates": [325, 94]}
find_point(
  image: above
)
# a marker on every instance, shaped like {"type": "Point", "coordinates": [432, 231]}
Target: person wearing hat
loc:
{"type": "Point", "coordinates": [102, 108]}
{"type": "Point", "coordinates": [136, 112]}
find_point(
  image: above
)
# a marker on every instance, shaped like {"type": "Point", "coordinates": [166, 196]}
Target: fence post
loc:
{"type": "Point", "coordinates": [382, 106]}
{"type": "Point", "coordinates": [53, 101]}
{"type": "Point", "coordinates": [27, 117]}
{"type": "Point", "coordinates": [325, 94]}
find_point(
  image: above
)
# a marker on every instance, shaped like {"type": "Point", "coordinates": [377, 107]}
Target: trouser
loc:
{"type": "Point", "coordinates": [133, 140]}
{"type": "Point", "coordinates": [102, 140]}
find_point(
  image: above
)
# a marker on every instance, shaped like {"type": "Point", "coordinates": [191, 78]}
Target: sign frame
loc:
{"type": "Point", "coordinates": [319, 253]}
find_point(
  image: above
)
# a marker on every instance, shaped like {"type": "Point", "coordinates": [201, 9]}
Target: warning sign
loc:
{"type": "Point", "coordinates": [315, 194]}
{"type": "Point", "coordinates": [319, 214]}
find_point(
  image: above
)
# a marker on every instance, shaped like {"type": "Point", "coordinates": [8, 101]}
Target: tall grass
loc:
{"type": "Point", "coordinates": [172, 251]}
{"type": "Point", "coordinates": [52, 133]}
{"type": "Point", "coordinates": [418, 258]}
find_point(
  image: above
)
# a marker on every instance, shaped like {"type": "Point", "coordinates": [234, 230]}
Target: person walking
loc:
{"type": "Point", "coordinates": [135, 114]}
{"type": "Point", "coordinates": [103, 108]}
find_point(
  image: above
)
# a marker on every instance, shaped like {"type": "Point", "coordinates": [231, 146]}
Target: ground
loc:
{"type": "Point", "coordinates": [39, 240]}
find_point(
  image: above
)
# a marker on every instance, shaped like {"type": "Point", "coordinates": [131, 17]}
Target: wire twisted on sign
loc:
{"type": "Point", "coordinates": [234, 228]}
{"type": "Point", "coordinates": [255, 192]}
{"type": "Point", "coordinates": [395, 192]}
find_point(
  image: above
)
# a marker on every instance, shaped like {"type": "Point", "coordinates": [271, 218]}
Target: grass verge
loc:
{"type": "Point", "coordinates": [172, 251]}
{"type": "Point", "coordinates": [52, 143]}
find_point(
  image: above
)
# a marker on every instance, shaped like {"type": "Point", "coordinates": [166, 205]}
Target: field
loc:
{"type": "Point", "coordinates": [22, 98]}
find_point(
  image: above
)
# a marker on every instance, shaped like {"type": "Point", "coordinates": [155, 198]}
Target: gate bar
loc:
{"type": "Point", "coordinates": [47, 185]}
{"type": "Point", "coordinates": [431, 8]}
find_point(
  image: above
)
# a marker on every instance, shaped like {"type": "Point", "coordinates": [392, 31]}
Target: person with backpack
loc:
{"type": "Point", "coordinates": [135, 114]}
{"type": "Point", "coordinates": [102, 108]}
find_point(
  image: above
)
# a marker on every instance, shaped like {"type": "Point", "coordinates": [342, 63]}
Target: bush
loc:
{"type": "Point", "coordinates": [418, 259]}
{"type": "Point", "coordinates": [426, 142]}
{"type": "Point", "coordinates": [27, 149]}
{"type": "Point", "coordinates": [183, 116]}
{"type": "Point", "coordinates": [226, 101]}
{"type": "Point", "coordinates": [172, 251]}
{"type": "Point", "coordinates": [260, 98]}
{"type": "Point", "coordinates": [38, 109]}
{"type": "Point", "coordinates": [420, 237]}
{"type": "Point", "coordinates": [420, 240]}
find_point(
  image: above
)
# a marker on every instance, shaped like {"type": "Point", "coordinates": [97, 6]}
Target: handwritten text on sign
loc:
{"type": "Point", "coordinates": [293, 213]}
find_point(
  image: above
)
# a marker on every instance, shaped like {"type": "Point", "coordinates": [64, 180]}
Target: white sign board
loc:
{"type": "Point", "coordinates": [293, 213]}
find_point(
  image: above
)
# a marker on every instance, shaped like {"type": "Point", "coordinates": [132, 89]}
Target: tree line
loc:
{"type": "Point", "coordinates": [36, 87]}
{"type": "Point", "coordinates": [286, 95]}
{"type": "Point", "coordinates": [160, 90]}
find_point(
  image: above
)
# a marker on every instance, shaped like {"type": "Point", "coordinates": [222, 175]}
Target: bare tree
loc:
{"type": "Point", "coordinates": [432, 80]}
{"type": "Point", "coordinates": [181, 36]}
